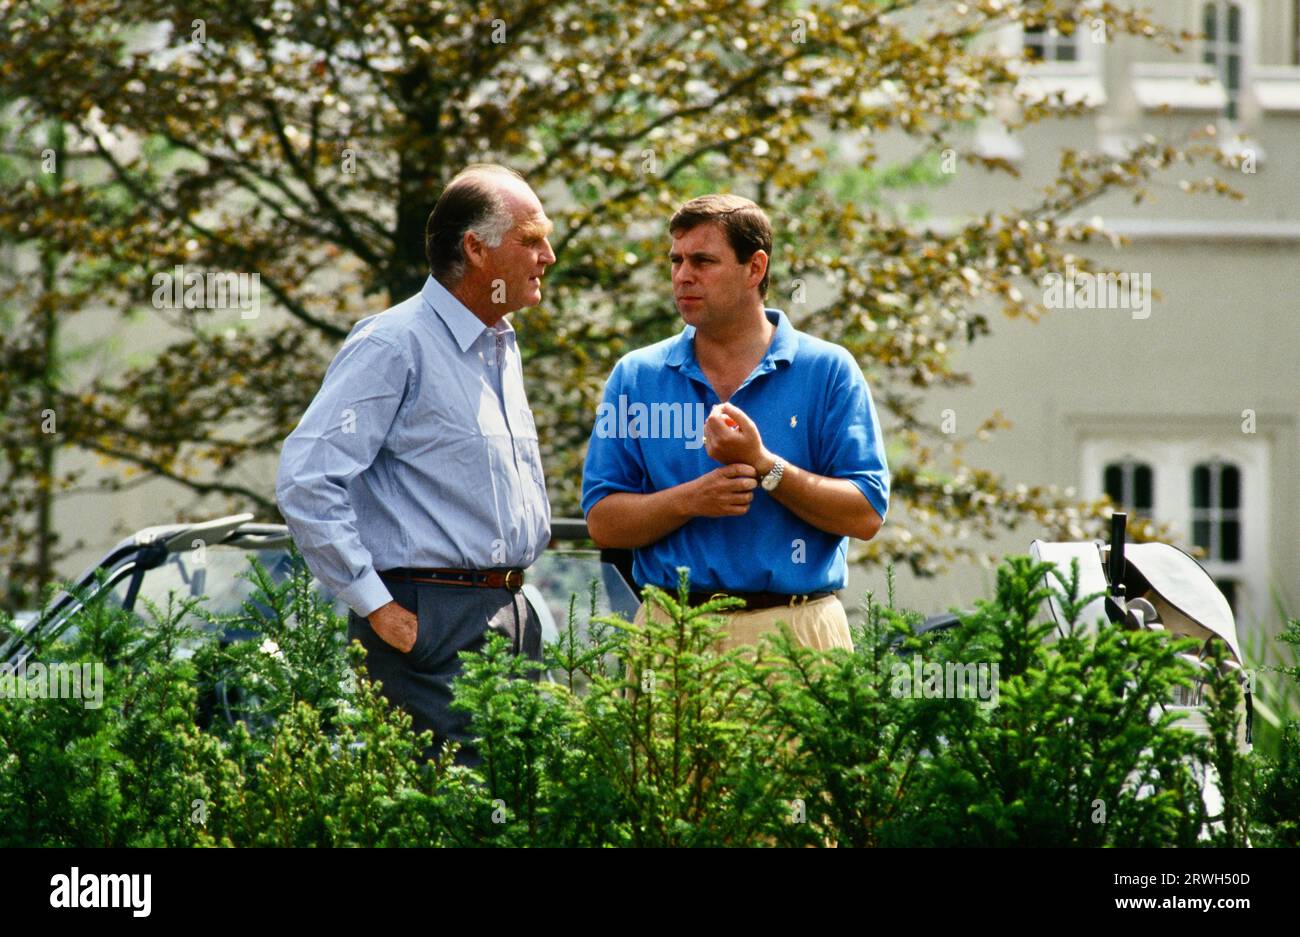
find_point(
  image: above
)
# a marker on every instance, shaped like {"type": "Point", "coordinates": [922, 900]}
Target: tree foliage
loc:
{"type": "Point", "coordinates": [306, 142]}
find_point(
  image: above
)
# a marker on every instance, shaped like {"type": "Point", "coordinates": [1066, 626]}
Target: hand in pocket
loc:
{"type": "Point", "coordinates": [395, 626]}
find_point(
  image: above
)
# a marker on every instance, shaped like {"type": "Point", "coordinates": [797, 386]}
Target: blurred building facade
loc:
{"type": "Point", "coordinates": [1190, 415]}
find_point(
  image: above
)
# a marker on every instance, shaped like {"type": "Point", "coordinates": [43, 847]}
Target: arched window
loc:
{"type": "Point", "coordinates": [1130, 484]}
{"type": "Point", "coordinates": [1216, 510]}
{"type": "Point", "coordinates": [1216, 521]}
{"type": "Point", "coordinates": [1208, 486]}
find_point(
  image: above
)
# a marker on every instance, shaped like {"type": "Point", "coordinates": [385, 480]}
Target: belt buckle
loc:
{"type": "Point", "coordinates": [518, 585]}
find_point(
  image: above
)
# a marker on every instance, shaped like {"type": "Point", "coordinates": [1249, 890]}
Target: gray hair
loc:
{"type": "Point", "coordinates": [469, 204]}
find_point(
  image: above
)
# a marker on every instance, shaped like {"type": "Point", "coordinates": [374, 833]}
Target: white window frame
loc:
{"type": "Point", "coordinates": [1223, 49]}
{"type": "Point", "coordinates": [1087, 54]}
{"type": "Point", "coordinates": [1214, 514]}
{"type": "Point", "coordinates": [1249, 110]}
{"type": "Point", "coordinates": [1172, 460]}
{"type": "Point", "coordinates": [1081, 79]}
{"type": "Point", "coordinates": [1128, 475]}
{"type": "Point", "coordinates": [1054, 39]}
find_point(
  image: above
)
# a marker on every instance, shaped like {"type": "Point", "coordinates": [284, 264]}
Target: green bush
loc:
{"type": "Point", "coordinates": [648, 738]}
{"type": "Point", "coordinates": [1279, 795]}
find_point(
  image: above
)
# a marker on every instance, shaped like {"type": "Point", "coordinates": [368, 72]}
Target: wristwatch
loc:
{"type": "Point", "coordinates": [773, 478]}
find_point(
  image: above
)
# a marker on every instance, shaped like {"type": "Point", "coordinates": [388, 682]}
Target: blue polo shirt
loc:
{"type": "Point", "coordinates": [813, 408]}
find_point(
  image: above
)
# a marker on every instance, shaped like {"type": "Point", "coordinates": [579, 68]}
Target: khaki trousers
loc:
{"type": "Point", "coordinates": [820, 624]}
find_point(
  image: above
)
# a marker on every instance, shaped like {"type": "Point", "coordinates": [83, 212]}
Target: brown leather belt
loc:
{"type": "Point", "coordinates": [511, 579]}
{"type": "Point", "coordinates": [754, 600]}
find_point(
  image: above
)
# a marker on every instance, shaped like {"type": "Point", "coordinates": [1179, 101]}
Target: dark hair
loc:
{"type": "Point", "coordinates": [745, 224]}
{"type": "Point", "coordinates": [470, 202]}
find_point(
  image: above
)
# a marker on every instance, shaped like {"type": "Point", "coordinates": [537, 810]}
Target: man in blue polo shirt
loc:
{"type": "Point", "coordinates": [741, 448]}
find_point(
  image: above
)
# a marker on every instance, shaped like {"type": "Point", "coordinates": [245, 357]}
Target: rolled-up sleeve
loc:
{"type": "Point", "coordinates": [851, 445]}
{"type": "Point", "coordinates": [613, 463]}
{"type": "Point", "coordinates": [338, 437]}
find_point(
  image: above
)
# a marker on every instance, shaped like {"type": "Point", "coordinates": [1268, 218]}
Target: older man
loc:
{"type": "Point", "coordinates": [413, 484]}
{"type": "Point", "coordinates": [791, 462]}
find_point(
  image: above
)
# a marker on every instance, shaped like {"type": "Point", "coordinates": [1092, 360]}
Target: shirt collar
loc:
{"type": "Point", "coordinates": [782, 348]}
{"type": "Point", "coordinates": [465, 327]}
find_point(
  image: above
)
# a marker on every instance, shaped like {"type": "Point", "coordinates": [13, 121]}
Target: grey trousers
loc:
{"type": "Point", "coordinates": [451, 619]}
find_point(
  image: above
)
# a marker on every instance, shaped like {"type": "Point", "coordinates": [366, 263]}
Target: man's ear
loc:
{"type": "Point", "coordinates": [474, 249]}
{"type": "Point", "coordinates": [758, 267]}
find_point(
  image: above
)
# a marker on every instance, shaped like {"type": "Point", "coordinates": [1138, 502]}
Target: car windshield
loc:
{"type": "Point", "coordinates": [221, 576]}
{"type": "Point", "coordinates": [220, 573]}
{"type": "Point", "coordinates": [560, 574]}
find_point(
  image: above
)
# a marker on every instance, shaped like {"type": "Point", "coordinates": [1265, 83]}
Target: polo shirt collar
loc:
{"type": "Point", "coordinates": [465, 327]}
{"type": "Point", "coordinates": [682, 352]}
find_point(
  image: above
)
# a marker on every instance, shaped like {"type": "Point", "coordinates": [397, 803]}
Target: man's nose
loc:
{"type": "Point", "coordinates": [548, 255]}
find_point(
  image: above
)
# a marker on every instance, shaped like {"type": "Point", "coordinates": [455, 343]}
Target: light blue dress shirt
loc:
{"type": "Point", "coordinates": [419, 450]}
